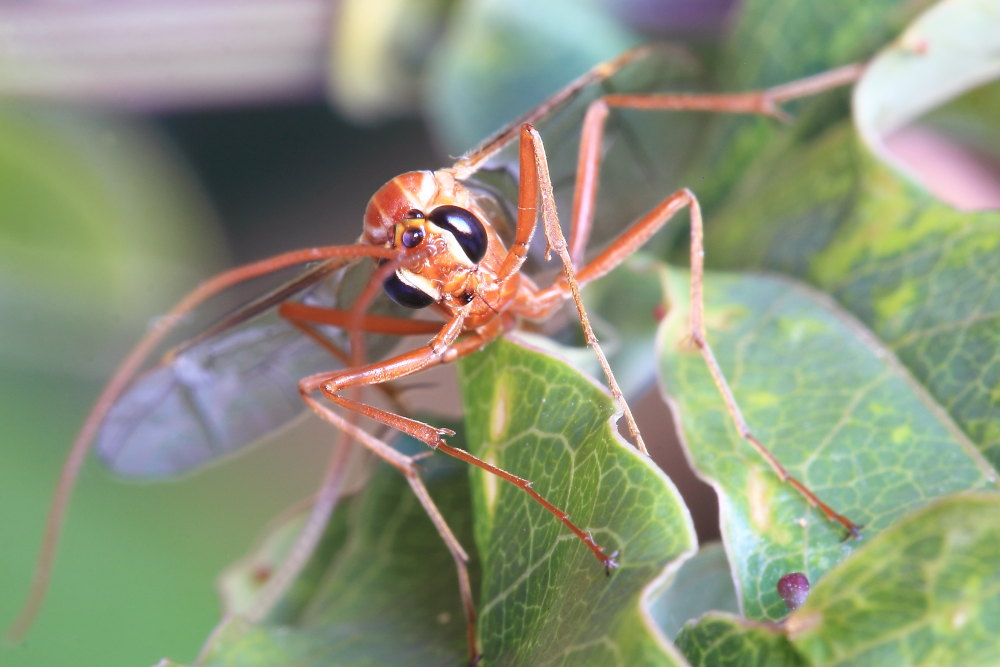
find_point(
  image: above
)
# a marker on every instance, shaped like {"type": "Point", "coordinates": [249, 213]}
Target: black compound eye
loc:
{"type": "Point", "coordinates": [412, 236]}
{"type": "Point", "coordinates": [405, 295]}
{"type": "Point", "coordinates": [465, 227]}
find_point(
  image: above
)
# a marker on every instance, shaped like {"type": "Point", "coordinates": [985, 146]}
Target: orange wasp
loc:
{"type": "Point", "coordinates": [433, 238]}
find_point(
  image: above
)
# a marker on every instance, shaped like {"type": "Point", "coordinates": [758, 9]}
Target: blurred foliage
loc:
{"type": "Point", "coordinates": [99, 225]}
{"type": "Point", "coordinates": [500, 58]}
{"type": "Point", "coordinates": [380, 548]}
{"type": "Point", "coordinates": [76, 223]}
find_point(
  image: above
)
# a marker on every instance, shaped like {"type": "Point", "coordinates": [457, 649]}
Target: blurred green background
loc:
{"type": "Point", "coordinates": [143, 148]}
{"type": "Point", "coordinates": [83, 275]}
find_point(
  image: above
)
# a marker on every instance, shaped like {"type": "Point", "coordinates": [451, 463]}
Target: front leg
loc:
{"type": "Point", "coordinates": [634, 237]}
{"type": "Point", "coordinates": [331, 386]}
{"type": "Point", "coordinates": [378, 374]}
{"type": "Point", "coordinates": [443, 348]}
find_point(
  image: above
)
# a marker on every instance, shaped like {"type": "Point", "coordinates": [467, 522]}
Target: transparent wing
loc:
{"type": "Point", "coordinates": [643, 152]}
{"type": "Point", "coordinates": [228, 389]}
{"type": "Point", "coordinates": [208, 401]}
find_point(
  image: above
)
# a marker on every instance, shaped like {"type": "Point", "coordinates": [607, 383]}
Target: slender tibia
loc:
{"type": "Point", "coordinates": [331, 385]}
{"type": "Point", "coordinates": [555, 242]}
{"type": "Point", "coordinates": [405, 464]}
{"type": "Point", "coordinates": [623, 247]}
{"type": "Point", "coordinates": [759, 102]}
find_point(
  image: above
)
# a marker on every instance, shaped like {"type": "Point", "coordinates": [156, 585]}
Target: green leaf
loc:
{"type": "Point", "coordinates": [381, 589]}
{"type": "Point", "coordinates": [970, 123]}
{"type": "Point", "coordinates": [829, 402]}
{"type": "Point", "coordinates": [926, 67]}
{"type": "Point", "coordinates": [545, 599]}
{"type": "Point", "coordinates": [921, 275]}
{"type": "Point", "coordinates": [703, 583]}
{"type": "Point", "coordinates": [915, 271]}
{"type": "Point", "coordinates": [773, 43]}
{"type": "Point", "coordinates": [724, 640]}
{"type": "Point", "coordinates": [924, 592]}
{"type": "Point", "coordinates": [877, 386]}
